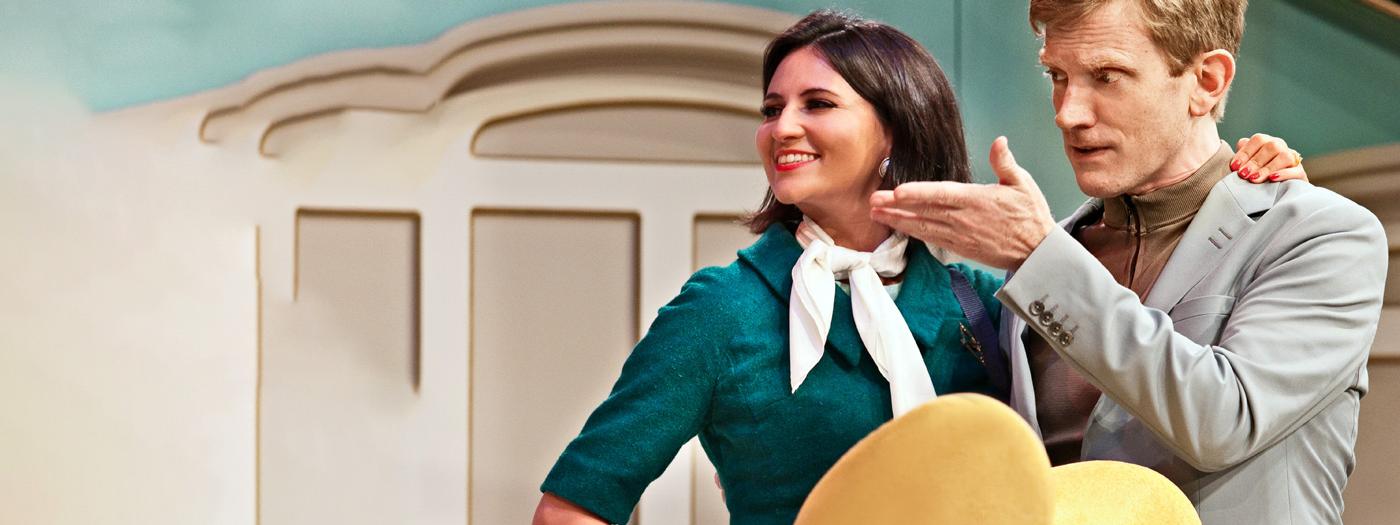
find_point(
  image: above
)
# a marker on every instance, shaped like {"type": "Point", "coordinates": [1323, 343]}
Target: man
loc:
{"type": "Point", "coordinates": [1183, 319]}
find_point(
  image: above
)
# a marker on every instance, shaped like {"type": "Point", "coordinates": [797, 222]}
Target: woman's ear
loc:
{"type": "Point", "coordinates": [1214, 72]}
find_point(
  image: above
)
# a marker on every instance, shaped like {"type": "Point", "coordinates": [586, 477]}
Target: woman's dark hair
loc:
{"type": "Point", "coordinates": [896, 75]}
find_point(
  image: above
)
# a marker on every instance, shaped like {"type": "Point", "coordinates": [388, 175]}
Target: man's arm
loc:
{"type": "Point", "coordinates": [1297, 334]}
{"type": "Point", "coordinates": [1296, 337]}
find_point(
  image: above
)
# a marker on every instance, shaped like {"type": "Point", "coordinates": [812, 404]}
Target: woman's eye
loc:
{"type": "Point", "coordinates": [770, 111]}
{"type": "Point", "coordinates": [819, 104]}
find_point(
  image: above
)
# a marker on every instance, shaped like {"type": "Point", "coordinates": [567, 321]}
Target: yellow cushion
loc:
{"type": "Point", "coordinates": [961, 458]}
{"type": "Point", "coordinates": [1117, 493]}
{"type": "Point", "coordinates": [967, 458]}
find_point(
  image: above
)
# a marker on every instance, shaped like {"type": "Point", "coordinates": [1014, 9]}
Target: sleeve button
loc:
{"type": "Point", "coordinates": [1037, 307]}
{"type": "Point", "coordinates": [1066, 338]}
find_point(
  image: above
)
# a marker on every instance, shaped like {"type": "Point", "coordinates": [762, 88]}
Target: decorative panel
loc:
{"type": "Point", "coordinates": [553, 316]}
{"type": "Point", "coordinates": [632, 132]}
{"type": "Point", "coordinates": [1370, 493]}
{"type": "Point", "coordinates": [340, 376]}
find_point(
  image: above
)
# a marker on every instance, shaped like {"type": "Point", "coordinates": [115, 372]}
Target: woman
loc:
{"type": "Point", "coordinates": [776, 371]}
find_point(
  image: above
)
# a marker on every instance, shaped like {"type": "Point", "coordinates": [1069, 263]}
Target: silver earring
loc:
{"type": "Point", "coordinates": [884, 167]}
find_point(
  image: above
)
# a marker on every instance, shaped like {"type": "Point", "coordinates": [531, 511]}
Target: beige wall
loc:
{"type": "Point", "coordinates": [1372, 489]}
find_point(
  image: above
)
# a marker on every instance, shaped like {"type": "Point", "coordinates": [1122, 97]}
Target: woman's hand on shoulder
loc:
{"type": "Point", "coordinates": [1264, 158]}
{"type": "Point", "coordinates": [554, 510]}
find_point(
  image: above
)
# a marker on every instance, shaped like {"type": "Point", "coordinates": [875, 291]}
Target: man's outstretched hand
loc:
{"type": "Point", "coordinates": [994, 224]}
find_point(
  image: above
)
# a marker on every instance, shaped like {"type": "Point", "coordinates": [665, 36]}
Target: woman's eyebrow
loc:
{"type": "Point", "coordinates": [805, 93]}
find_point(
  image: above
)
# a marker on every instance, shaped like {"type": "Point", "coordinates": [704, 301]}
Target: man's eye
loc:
{"type": "Point", "coordinates": [1054, 76]}
{"type": "Point", "coordinates": [1107, 77]}
{"type": "Point", "coordinates": [770, 111]}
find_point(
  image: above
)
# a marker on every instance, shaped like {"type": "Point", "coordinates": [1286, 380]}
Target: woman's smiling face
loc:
{"type": "Point", "coordinates": [821, 142]}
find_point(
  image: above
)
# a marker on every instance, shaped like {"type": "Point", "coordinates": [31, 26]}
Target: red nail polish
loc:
{"type": "Point", "coordinates": [1234, 165]}
{"type": "Point", "coordinates": [1273, 178]}
{"type": "Point", "coordinates": [1244, 172]}
{"type": "Point", "coordinates": [1241, 174]}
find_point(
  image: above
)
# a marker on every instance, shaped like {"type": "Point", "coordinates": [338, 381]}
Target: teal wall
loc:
{"type": "Point", "coordinates": [1304, 73]}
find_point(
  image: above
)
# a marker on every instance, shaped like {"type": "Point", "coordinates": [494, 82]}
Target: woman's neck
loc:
{"type": "Point", "coordinates": [852, 230]}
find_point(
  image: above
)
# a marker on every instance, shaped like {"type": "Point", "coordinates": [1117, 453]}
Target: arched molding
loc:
{"type": "Point", "coordinates": [468, 113]}
{"type": "Point", "coordinates": [711, 44]}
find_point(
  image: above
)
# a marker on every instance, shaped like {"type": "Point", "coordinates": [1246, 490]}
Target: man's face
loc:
{"type": "Point", "coordinates": [1122, 114]}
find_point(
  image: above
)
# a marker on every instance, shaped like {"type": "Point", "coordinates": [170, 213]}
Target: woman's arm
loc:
{"type": "Point", "coordinates": [659, 402]}
{"type": "Point", "coordinates": [554, 510]}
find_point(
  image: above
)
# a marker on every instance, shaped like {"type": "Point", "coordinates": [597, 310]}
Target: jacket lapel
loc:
{"type": "Point", "coordinates": [1223, 218]}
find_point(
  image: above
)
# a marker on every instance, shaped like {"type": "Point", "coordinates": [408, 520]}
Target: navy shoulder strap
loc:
{"type": "Point", "coordinates": [983, 337]}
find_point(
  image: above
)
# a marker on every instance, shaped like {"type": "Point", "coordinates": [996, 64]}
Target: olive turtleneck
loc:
{"type": "Point", "coordinates": [1133, 236]}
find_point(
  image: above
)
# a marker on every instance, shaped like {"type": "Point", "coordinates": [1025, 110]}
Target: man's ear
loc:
{"type": "Point", "coordinates": [1215, 71]}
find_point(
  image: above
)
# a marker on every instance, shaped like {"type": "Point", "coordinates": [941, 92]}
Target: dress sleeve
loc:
{"type": "Point", "coordinates": [659, 402]}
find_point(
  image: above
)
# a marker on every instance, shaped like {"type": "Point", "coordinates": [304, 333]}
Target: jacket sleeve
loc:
{"type": "Point", "coordinates": [1297, 336]}
{"type": "Point", "coordinates": [659, 402]}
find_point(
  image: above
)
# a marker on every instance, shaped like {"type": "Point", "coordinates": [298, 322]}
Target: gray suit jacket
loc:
{"type": "Point", "coordinates": [1241, 375]}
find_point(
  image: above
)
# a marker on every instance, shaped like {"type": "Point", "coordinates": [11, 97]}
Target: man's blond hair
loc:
{"type": "Point", "coordinates": [1181, 29]}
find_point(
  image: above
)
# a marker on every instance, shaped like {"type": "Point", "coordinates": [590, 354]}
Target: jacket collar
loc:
{"type": "Point", "coordinates": [921, 298]}
{"type": "Point", "coordinates": [1224, 218]}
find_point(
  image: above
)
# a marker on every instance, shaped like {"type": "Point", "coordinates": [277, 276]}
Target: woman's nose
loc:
{"type": "Point", "coordinates": [788, 126]}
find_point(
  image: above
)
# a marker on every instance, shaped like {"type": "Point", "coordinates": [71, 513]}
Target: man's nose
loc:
{"type": "Point", "coordinates": [1076, 109]}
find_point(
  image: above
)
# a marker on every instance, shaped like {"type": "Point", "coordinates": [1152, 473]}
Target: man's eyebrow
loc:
{"type": "Point", "coordinates": [1095, 62]}
{"type": "Point", "coordinates": [1107, 62]}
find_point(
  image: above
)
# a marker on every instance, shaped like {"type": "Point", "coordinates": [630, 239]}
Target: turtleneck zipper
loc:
{"type": "Point", "coordinates": [1138, 230]}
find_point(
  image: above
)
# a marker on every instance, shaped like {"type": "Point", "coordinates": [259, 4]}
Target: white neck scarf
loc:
{"type": "Point", "coordinates": [881, 326]}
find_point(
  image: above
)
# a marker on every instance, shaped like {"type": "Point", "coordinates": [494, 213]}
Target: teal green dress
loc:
{"type": "Point", "coordinates": [715, 363]}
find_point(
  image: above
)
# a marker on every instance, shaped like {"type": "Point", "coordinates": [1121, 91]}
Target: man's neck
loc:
{"type": "Point", "coordinates": [1202, 142]}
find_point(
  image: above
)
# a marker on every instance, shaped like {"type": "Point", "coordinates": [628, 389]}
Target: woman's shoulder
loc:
{"type": "Point", "coordinates": [757, 276]}
{"type": "Point", "coordinates": [717, 306]}
{"type": "Point", "coordinates": [717, 289]}
{"type": "Point", "coordinates": [985, 281]}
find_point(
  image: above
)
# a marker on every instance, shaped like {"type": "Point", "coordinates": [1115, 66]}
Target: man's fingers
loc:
{"type": "Point", "coordinates": [1004, 163]}
{"type": "Point", "coordinates": [906, 221]}
{"type": "Point", "coordinates": [1009, 173]}
{"type": "Point", "coordinates": [882, 199]}
{"type": "Point", "coordinates": [898, 219]}
{"type": "Point", "coordinates": [928, 195]}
